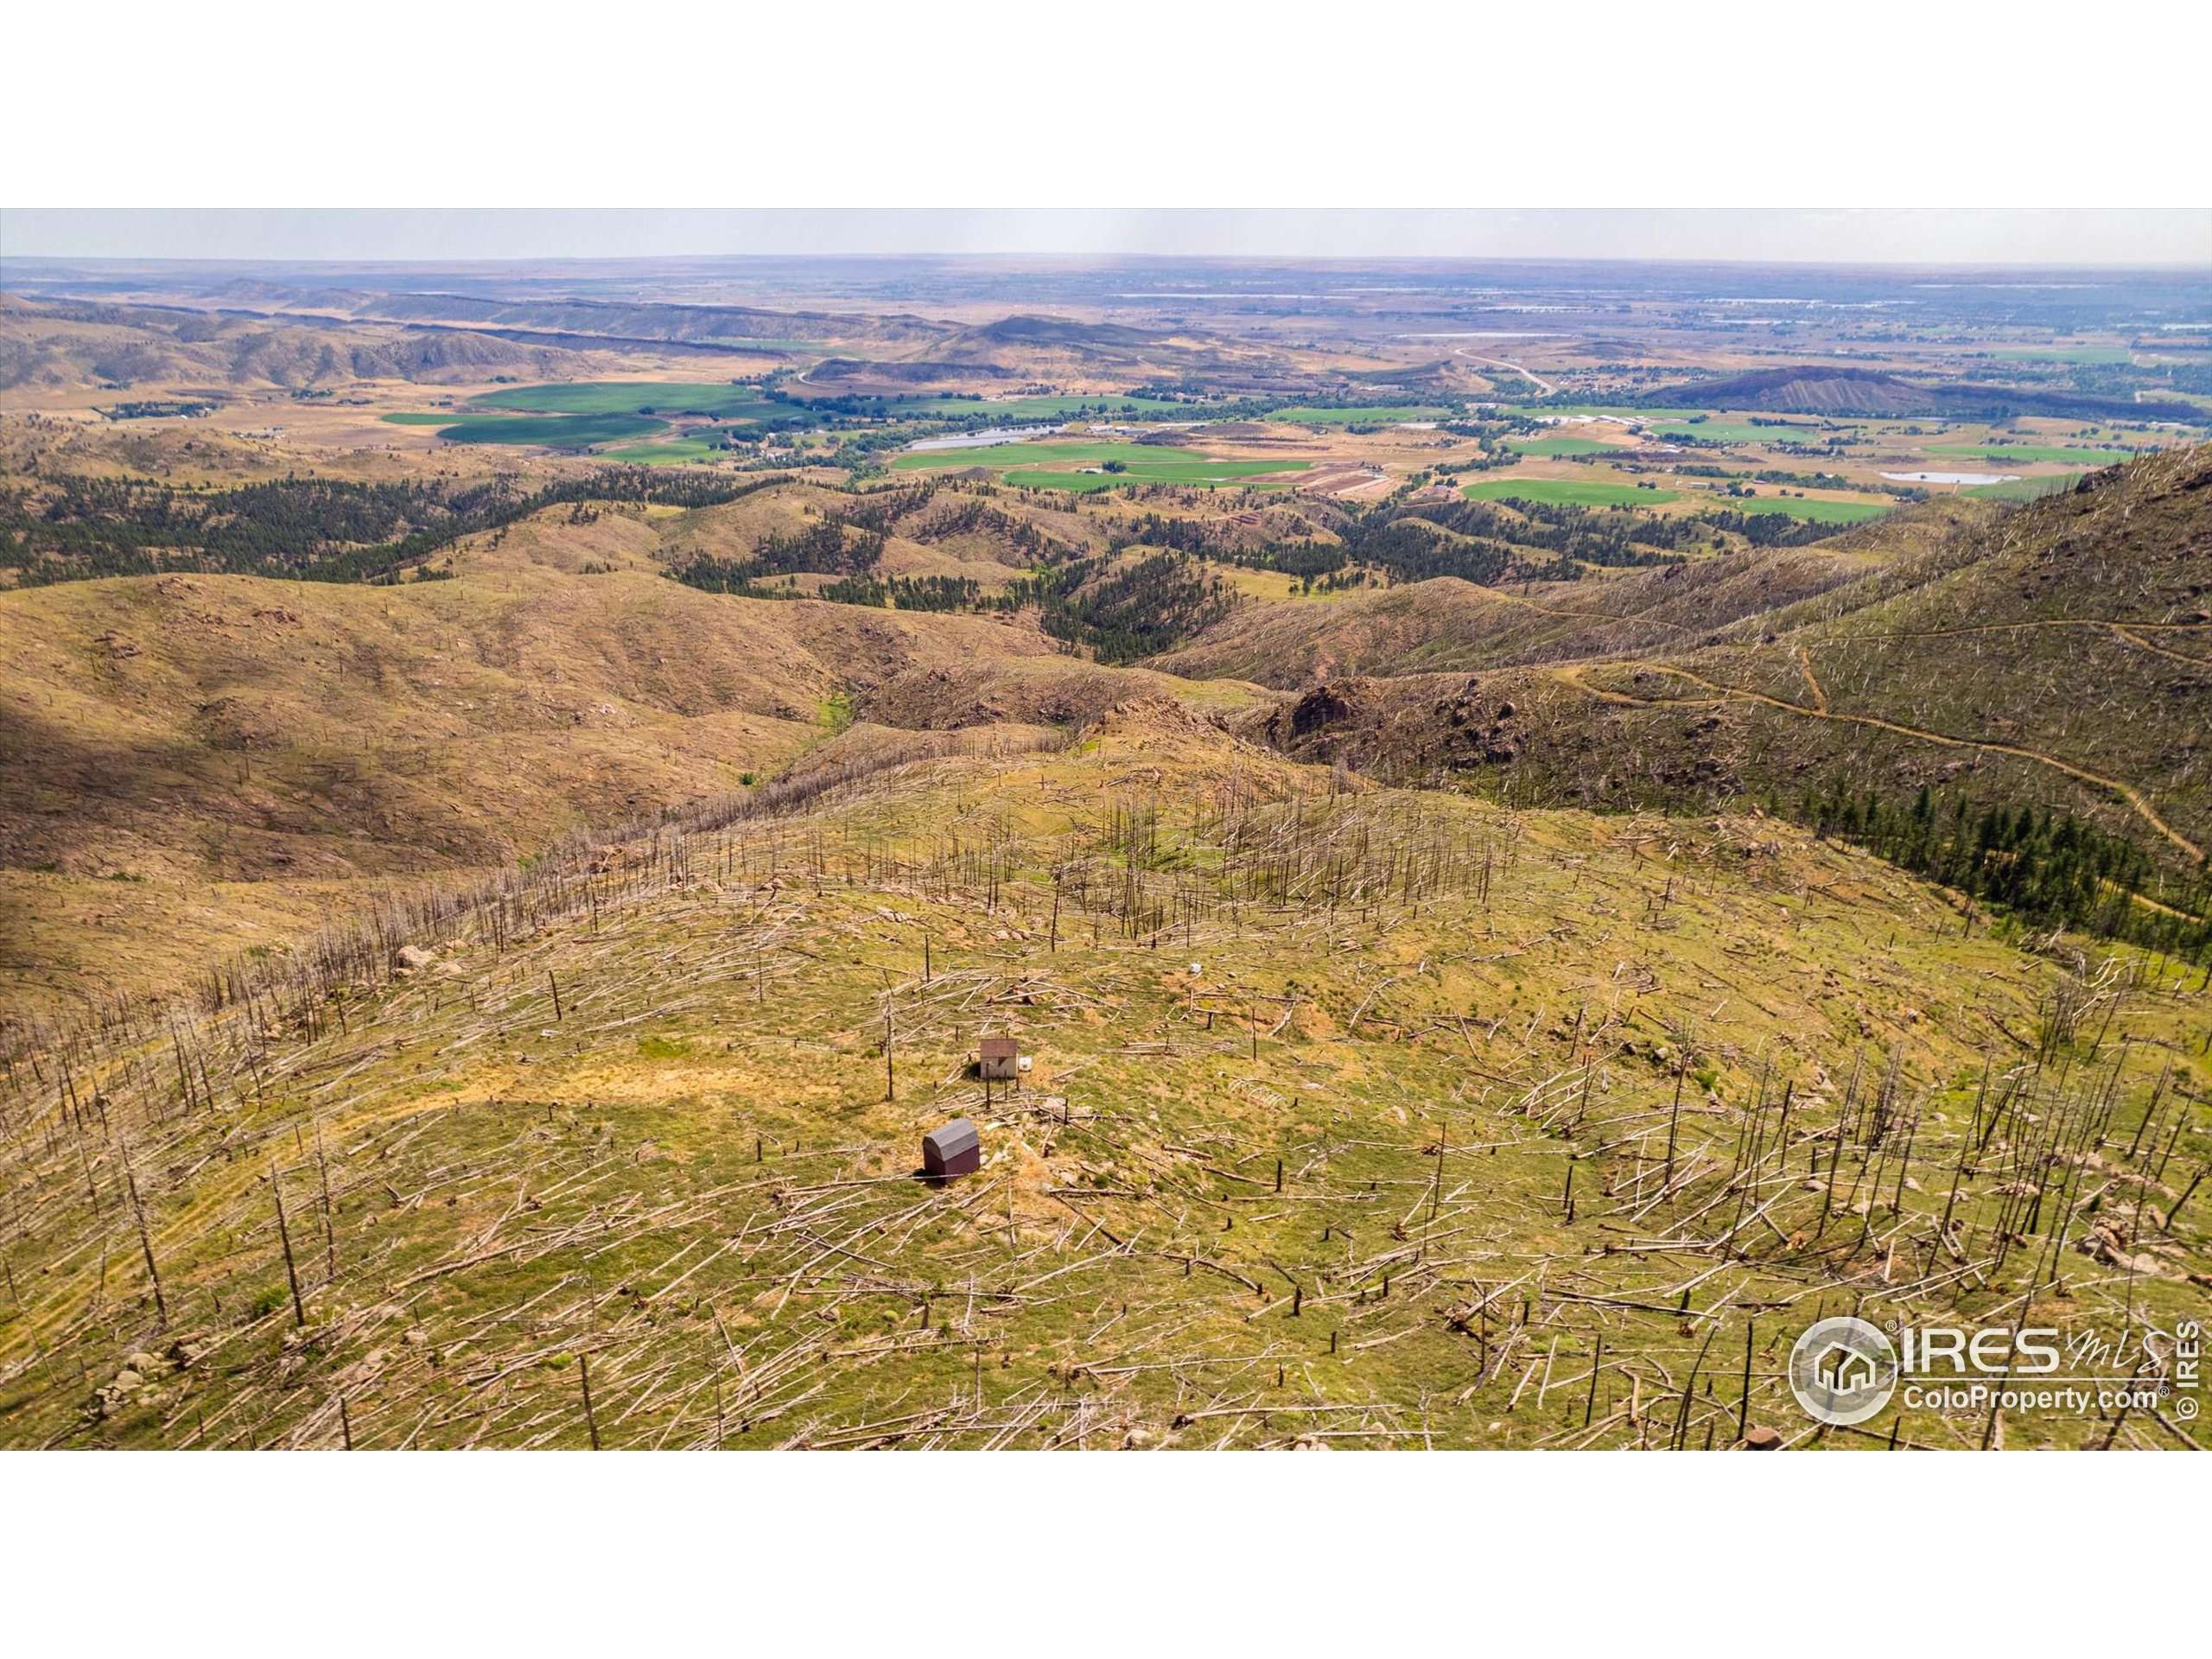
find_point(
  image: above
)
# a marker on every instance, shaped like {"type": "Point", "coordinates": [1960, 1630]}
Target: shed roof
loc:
{"type": "Point", "coordinates": [1000, 1048]}
{"type": "Point", "coordinates": [952, 1140]}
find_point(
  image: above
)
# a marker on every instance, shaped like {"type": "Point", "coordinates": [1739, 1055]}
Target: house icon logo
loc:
{"type": "Point", "coordinates": [1843, 1370]}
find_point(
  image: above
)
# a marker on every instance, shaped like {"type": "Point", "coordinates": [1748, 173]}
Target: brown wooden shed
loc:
{"type": "Point", "coordinates": [956, 1149]}
{"type": "Point", "coordinates": [1000, 1060]}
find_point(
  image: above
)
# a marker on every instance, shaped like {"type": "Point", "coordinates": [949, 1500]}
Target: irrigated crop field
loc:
{"type": "Point", "coordinates": [723, 400]}
{"type": "Point", "coordinates": [1568, 493]}
{"type": "Point", "coordinates": [1560, 446]}
{"type": "Point", "coordinates": [552, 431]}
{"type": "Point", "coordinates": [1082, 465]}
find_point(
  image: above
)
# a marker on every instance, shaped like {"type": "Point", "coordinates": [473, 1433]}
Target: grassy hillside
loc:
{"type": "Point", "coordinates": [165, 732]}
{"type": "Point", "coordinates": [1357, 1117]}
{"type": "Point", "coordinates": [2057, 657]}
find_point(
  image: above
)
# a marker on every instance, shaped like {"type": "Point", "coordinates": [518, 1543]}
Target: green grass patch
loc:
{"type": "Point", "coordinates": [1810, 509]}
{"type": "Point", "coordinates": [2050, 452]}
{"type": "Point", "coordinates": [1051, 464]}
{"type": "Point", "coordinates": [2024, 489]}
{"type": "Point", "coordinates": [555, 431]}
{"type": "Point", "coordinates": [422, 417]}
{"type": "Point", "coordinates": [1044, 451]}
{"type": "Point", "coordinates": [1567, 493]}
{"type": "Point", "coordinates": [1559, 446]}
{"type": "Point", "coordinates": [676, 452]}
{"type": "Point", "coordinates": [1252, 474]}
{"type": "Point", "coordinates": [720, 399]}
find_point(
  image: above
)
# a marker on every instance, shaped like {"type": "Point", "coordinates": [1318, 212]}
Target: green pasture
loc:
{"type": "Point", "coordinates": [1811, 509]}
{"type": "Point", "coordinates": [1199, 474]}
{"type": "Point", "coordinates": [1567, 493]}
{"type": "Point", "coordinates": [672, 453]}
{"type": "Point", "coordinates": [2049, 452]}
{"type": "Point", "coordinates": [1560, 446]}
{"type": "Point", "coordinates": [2024, 489]}
{"type": "Point", "coordinates": [553, 431]}
{"type": "Point", "coordinates": [1049, 464]}
{"type": "Point", "coordinates": [721, 399]}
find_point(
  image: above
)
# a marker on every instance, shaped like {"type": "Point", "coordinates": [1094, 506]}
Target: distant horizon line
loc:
{"type": "Point", "coordinates": [1107, 256]}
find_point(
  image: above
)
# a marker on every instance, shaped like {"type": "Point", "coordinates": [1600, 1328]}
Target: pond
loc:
{"type": "Point", "coordinates": [984, 439]}
{"type": "Point", "coordinates": [1953, 478]}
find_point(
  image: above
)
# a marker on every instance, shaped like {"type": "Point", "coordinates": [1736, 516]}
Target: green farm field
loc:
{"type": "Point", "coordinates": [2044, 452]}
{"type": "Point", "coordinates": [1042, 462]}
{"type": "Point", "coordinates": [723, 399]}
{"type": "Point", "coordinates": [1567, 493]}
{"type": "Point", "coordinates": [552, 431]}
{"type": "Point", "coordinates": [673, 453]}
{"type": "Point", "coordinates": [1559, 446]}
{"type": "Point", "coordinates": [2023, 489]}
{"type": "Point", "coordinates": [1252, 474]}
{"type": "Point", "coordinates": [1809, 508]}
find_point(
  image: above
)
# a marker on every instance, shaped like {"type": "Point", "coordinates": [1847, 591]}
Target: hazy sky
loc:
{"type": "Point", "coordinates": [1842, 236]}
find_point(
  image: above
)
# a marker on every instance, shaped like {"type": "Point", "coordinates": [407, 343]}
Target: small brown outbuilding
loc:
{"type": "Point", "coordinates": [1000, 1060]}
{"type": "Point", "coordinates": [956, 1149]}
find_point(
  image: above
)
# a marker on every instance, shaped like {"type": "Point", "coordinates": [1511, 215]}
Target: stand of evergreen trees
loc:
{"type": "Point", "coordinates": [307, 529]}
{"type": "Point", "coordinates": [2049, 870]}
{"type": "Point", "coordinates": [1125, 614]}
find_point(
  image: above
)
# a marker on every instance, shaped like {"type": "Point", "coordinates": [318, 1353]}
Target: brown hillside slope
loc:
{"type": "Point", "coordinates": [1445, 623]}
{"type": "Point", "coordinates": [161, 733]}
{"type": "Point", "coordinates": [2058, 655]}
{"type": "Point", "coordinates": [69, 344]}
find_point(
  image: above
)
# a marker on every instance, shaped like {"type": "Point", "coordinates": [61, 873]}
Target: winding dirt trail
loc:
{"type": "Point", "coordinates": [1812, 682]}
{"type": "Point", "coordinates": [1572, 675]}
{"type": "Point", "coordinates": [2135, 639]}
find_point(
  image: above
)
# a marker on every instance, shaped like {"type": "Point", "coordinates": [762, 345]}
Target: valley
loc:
{"type": "Point", "coordinates": [1536, 828]}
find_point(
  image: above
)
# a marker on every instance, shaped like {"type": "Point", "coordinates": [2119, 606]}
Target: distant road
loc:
{"type": "Point", "coordinates": [1537, 380]}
